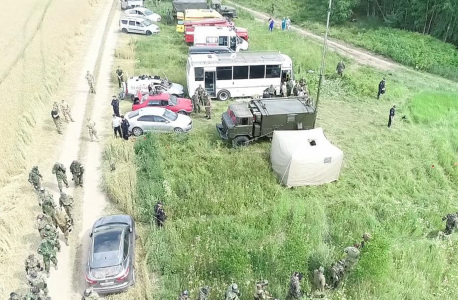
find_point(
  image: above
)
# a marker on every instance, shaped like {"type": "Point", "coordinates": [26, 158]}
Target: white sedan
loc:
{"type": "Point", "coordinates": [143, 12]}
{"type": "Point", "coordinates": [157, 119]}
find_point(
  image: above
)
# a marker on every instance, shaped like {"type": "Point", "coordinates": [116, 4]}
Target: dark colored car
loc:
{"type": "Point", "coordinates": [111, 259]}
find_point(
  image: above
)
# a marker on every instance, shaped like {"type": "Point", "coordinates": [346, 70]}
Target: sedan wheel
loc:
{"type": "Point", "coordinates": [149, 33]}
{"type": "Point", "coordinates": [182, 112]}
{"type": "Point", "coordinates": [178, 130]}
{"type": "Point", "coordinates": [137, 131]}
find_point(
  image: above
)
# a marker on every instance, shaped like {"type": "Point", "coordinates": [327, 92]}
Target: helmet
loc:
{"type": "Point", "coordinates": [35, 167]}
{"type": "Point", "coordinates": [234, 286]}
{"type": "Point", "coordinates": [47, 227]}
{"type": "Point", "coordinates": [258, 286]}
{"type": "Point", "coordinates": [185, 292]}
{"type": "Point", "coordinates": [31, 256]}
{"type": "Point", "coordinates": [33, 273]}
{"type": "Point", "coordinates": [35, 290]}
{"type": "Point", "coordinates": [13, 294]}
{"type": "Point", "coordinates": [42, 189]}
{"type": "Point", "coordinates": [87, 292]}
{"type": "Point", "coordinates": [366, 236]}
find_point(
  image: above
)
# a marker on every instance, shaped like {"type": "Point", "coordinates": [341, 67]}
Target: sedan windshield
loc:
{"type": "Point", "coordinates": [106, 248]}
{"type": "Point", "coordinates": [146, 22]}
{"type": "Point", "coordinates": [148, 12]}
{"type": "Point", "coordinates": [173, 100]}
{"type": "Point", "coordinates": [170, 115]}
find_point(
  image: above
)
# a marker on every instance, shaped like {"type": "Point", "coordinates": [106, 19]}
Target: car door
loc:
{"type": "Point", "coordinates": [131, 27]}
{"type": "Point", "coordinates": [140, 27]}
{"type": "Point", "coordinates": [166, 104]}
{"type": "Point", "coordinates": [161, 124]}
{"type": "Point", "coordinates": [146, 122]}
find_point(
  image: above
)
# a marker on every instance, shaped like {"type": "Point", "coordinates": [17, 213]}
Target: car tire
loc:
{"type": "Point", "coordinates": [223, 95]}
{"type": "Point", "coordinates": [182, 112]}
{"type": "Point", "coordinates": [137, 131]}
{"type": "Point", "coordinates": [178, 130]}
{"type": "Point", "coordinates": [240, 141]}
{"type": "Point", "coordinates": [148, 33]}
{"type": "Point", "coordinates": [124, 30]}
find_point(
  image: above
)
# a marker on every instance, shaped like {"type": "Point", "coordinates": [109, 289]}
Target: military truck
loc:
{"type": "Point", "coordinates": [182, 5]}
{"type": "Point", "coordinates": [243, 123]}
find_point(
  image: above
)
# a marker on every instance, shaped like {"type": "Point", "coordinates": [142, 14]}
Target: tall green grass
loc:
{"type": "Point", "coordinates": [230, 220]}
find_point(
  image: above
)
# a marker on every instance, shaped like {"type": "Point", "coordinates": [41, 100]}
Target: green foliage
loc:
{"type": "Point", "coordinates": [430, 108]}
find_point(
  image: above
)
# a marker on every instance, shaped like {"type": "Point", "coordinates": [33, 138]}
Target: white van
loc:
{"type": "Point", "coordinates": [126, 4]}
{"type": "Point", "coordinates": [219, 36]}
{"type": "Point", "coordinates": [137, 25]}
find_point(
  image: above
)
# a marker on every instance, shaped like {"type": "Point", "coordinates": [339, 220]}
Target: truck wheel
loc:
{"type": "Point", "coordinates": [148, 33]}
{"type": "Point", "coordinates": [223, 95]}
{"type": "Point", "coordinates": [240, 141]}
{"type": "Point", "coordinates": [137, 131]}
{"type": "Point", "coordinates": [124, 30]}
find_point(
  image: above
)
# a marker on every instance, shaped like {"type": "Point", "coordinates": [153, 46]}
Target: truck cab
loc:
{"type": "Point", "coordinates": [126, 4]}
{"type": "Point", "coordinates": [219, 36]}
{"type": "Point", "coordinates": [224, 10]}
{"type": "Point", "coordinates": [243, 123]}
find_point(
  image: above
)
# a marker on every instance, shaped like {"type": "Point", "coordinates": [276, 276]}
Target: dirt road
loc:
{"type": "Point", "coordinates": [361, 56]}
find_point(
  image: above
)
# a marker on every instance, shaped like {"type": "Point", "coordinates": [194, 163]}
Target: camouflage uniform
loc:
{"type": "Point", "coordinates": [38, 280]}
{"type": "Point", "coordinates": [284, 90]}
{"type": "Point", "coordinates": [203, 293]}
{"type": "Point", "coordinates": [42, 195]}
{"type": "Point", "coordinates": [46, 249]}
{"type": "Point", "coordinates": [33, 294]}
{"type": "Point", "coordinates": [184, 296]}
{"type": "Point", "coordinates": [195, 103]}
{"type": "Point", "coordinates": [159, 214]}
{"type": "Point", "coordinates": [208, 106]}
{"type": "Point", "coordinates": [120, 76]}
{"type": "Point", "coordinates": [15, 296]}
{"type": "Point", "coordinates": [77, 170]}
{"type": "Point", "coordinates": [49, 206]}
{"type": "Point", "coordinates": [319, 280]}
{"type": "Point", "coordinates": [261, 292]}
{"type": "Point", "coordinates": [64, 223]}
{"type": "Point", "coordinates": [91, 82]}
{"type": "Point", "coordinates": [451, 223]}
{"type": "Point", "coordinates": [35, 178]}
{"type": "Point", "coordinates": [294, 286]}
{"type": "Point", "coordinates": [90, 294]}
{"type": "Point", "coordinates": [51, 234]}
{"type": "Point", "coordinates": [56, 118]}
{"type": "Point", "coordinates": [340, 68]}
{"type": "Point", "coordinates": [67, 203]}
{"type": "Point", "coordinates": [32, 264]}
{"type": "Point", "coordinates": [92, 131]}
{"type": "Point", "coordinates": [200, 93]}
{"type": "Point", "coordinates": [42, 221]}
{"type": "Point", "coordinates": [271, 91]}
{"type": "Point", "coordinates": [337, 273]}
{"type": "Point", "coordinates": [55, 106]}
{"type": "Point", "coordinates": [66, 111]}
{"type": "Point", "coordinates": [232, 292]}
{"type": "Point", "coordinates": [61, 175]}
{"type": "Point", "coordinates": [352, 257]}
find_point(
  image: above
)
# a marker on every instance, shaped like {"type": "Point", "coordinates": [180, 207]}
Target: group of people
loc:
{"type": "Point", "coordinates": [52, 219]}
{"type": "Point", "coordinates": [57, 109]}
{"type": "Point", "coordinates": [285, 23]}
{"type": "Point", "coordinates": [202, 98]}
{"type": "Point", "coordinates": [288, 88]}
{"type": "Point", "coordinates": [120, 123]}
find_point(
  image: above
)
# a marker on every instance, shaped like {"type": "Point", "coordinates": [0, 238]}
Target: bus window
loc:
{"type": "Point", "coordinates": [212, 40]}
{"type": "Point", "coordinates": [273, 71]}
{"type": "Point", "coordinates": [257, 72]}
{"type": "Point", "coordinates": [224, 73]}
{"type": "Point", "coordinates": [241, 72]}
{"type": "Point", "coordinates": [222, 41]}
{"type": "Point", "coordinates": [199, 74]}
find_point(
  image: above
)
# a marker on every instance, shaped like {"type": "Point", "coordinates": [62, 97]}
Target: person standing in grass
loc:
{"type": "Point", "coordinates": [381, 88]}
{"type": "Point", "coordinates": [115, 104]}
{"type": "Point", "coordinates": [125, 128]}
{"type": "Point", "coordinates": [271, 24]}
{"type": "Point", "coordinates": [288, 23]}
{"type": "Point", "coordinates": [159, 214]}
{"type": "Point", "coordinates": [116, 122]}
{"type": "Point", "coordinates": [340, 68]}
{"type": "Point", "coordinates": [283, 24]}
{"type": "Point", "coordinates": [120, 75]}
{"type": "Point", "coordinates": [391, 117]}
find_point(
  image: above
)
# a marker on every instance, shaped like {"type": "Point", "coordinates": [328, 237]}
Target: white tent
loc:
{"type": "Point", "coordinates": [305, 157]}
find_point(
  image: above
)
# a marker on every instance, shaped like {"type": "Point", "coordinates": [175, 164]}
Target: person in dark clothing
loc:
{"type": "Point", "coordinates": [115, 104]}
{"type": "Point", "coordinates": [120, 75]}
{"type": "Point", "coordinates": [125, 128]}
{"type": "Point", "coordinates": [116, 122]}
{"type": "Point", "coordinates": [392, 112]}
{"type": "Point", "coordinates": [381, 88]}
{"type": "Point", "coordinates": [159, 214]}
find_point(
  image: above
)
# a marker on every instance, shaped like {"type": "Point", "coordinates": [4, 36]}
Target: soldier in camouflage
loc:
{"type": "Point", "coordinates": [195, 103]}
{"type": "Point", "coordinates": [42, 195]}
{"type": "Point", "coordinates": [208, 105]}
{"type": "Point", "coordinates": [51, 234]}
{"type": "Point", "coordinates": [451, 223]}
{"type": "Point", "coordinates": [67, 203]}
{"type": "Point", "coordinates": [92, 131]}
{"type": "Point", "coordinates": [295, 286]}
{"type": "Point", "coordinates": [90, 294]}
{"type": "Point", "coordinates": [340, 68]}
{"type": "Point", "coordinates": [184, 296]}
{"type": "Point", "coordinates": [15, 296]}
{"type": "Point", "coordinates": [200, 93]}
{"type": "Point", "coordinates": [366, 238]}
{"type": "Point", "coordinates": [64, 223]}
{"type": "Point", "coordinates": [38, 280]}
{"type": "Point", "coordinates": [66, 111]}
{"type": "Point", "coordinates": [35, 178]}
{"type": "Point", "coordinates": [337, 273]}
{"type": "Point", "coordinates": [46, 249]}
{"type": "Point", "coordinates": [33, 294]}
{"type": "Point", "coordinates": [232, 292]}
{"type": "Point", "coordinates": [32, 264]}
{"type": "Point", "coordinates": [261, 292]}
{"type": "Point", "coordinates": [204, 292]}
{"type": "Point", "coordinates": [42, 221]}
{"type": "Point", "coordinates": [77, 170]}
{"type": "Point", "coordinates": [49, 207]}
{"type": "Point", "coordinates": [91, 82]}
{"type": "Point", "coordinates": [61, 175]}
{"type": "Point", "coordinates": [352, 257]}
{"type": "Point", "coordinates": [272, 91]}
{"type": "Point", "coordinates": [56, 119]}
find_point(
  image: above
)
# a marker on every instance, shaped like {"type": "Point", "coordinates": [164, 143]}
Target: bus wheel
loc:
{"type": "Point", "coordinates": [240, 141]}
{"type": "Point", "coordinates": [223, 95]}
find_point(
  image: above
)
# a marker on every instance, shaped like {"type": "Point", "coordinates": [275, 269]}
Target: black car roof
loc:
{"type": "Point", "coordinates": [114, 219]}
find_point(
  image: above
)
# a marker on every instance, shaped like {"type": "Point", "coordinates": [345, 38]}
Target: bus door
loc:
{"type": "Point", "coordinates": [286, 75]}
{"type": "Point", "coordinates": [210, 82]}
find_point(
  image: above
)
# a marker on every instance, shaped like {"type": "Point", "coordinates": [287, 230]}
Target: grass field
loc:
{"type": "Point", "coordinates": [419, 51]}
{"type": "Point", "coordinates": [230, 220]}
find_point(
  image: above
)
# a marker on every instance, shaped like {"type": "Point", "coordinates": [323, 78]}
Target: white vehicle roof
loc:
{"type": "Point", "coordinates": [238, 58]}
{"type": "Point", "coordinates": [139, 8]}
{"type": "Point", "coordinates": [214, 31]}
{"type": "Point", "coordinates": [131, 18]}
{"type": "Point", "coordinates": [157, 111]}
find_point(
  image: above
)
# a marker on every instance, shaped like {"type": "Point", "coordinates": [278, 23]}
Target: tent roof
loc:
{"type": "Point", "coordinates": [241, 110]}
{"type": "Point", "coordinates": [283, 105]}
{"type": "Point", "coordinates": [300, 140]}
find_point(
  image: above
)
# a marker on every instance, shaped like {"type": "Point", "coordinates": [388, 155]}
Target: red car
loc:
{"type": "Point", "coordinates": [165, 100]}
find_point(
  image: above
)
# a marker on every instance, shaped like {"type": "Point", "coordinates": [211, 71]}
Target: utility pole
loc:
{"type": "Point", "coordinates": [325, 45]}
